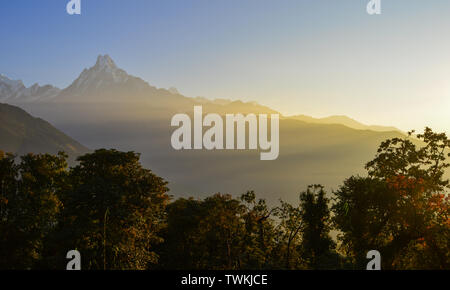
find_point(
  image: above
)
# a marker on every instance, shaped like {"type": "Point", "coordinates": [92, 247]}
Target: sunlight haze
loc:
{"type": "Point", "coordinates": [392, 69]}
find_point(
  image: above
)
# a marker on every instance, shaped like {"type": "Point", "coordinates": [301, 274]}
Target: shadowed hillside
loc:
{"type": "Point", "coordinates": [22, 133]}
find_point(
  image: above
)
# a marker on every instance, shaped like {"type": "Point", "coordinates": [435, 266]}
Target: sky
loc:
{"type": "Point", "coordinates": [312, 57]}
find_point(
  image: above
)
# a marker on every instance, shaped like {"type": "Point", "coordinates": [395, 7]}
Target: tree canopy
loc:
{"type": "Point", "coordinates": [119, 215]}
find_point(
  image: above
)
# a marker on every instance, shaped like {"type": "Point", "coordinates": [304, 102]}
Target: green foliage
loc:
{"type": "Point", "coordinates": [218, 233]}
{"type": "Point", "coordinates": [260, 233]}
{"type": "Point", "coordinates": [29, 206]}
{"type": "Point", "coordinates": [362, 209]}
{"type": "Point", "coordinates": [401, 157]}
{"type": "Point", "coordinates": [317, 247]}
{"type": "Point", "coordinates": [119, 216]}
{"type": "Point", "coordinates": [289, 228]}
{"type": "Point", "coordinates": [113, 211]}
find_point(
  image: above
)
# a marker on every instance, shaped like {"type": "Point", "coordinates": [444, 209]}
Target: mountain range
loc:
{"type": "Point", "coordinates": [15, 91]}
{"type": "Point", "coordinates": [105, 107]}
{"type": "Point", "coordinates": [108, 83]}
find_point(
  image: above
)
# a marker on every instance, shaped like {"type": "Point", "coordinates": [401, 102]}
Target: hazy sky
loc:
{"type": "Point", "coordinates": [314, 57]}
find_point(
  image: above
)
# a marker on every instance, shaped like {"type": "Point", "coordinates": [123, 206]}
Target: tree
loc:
{"type": "Point", "coordinates": [401, 209]}
{"type": "Point", "coordinates": [183, 244]}
{"type": "Point", "coordinates": [8, 189]}
{"type": "Point", "coordinates": [219, 232]}
{"type": "Point", "coordinates": [361, 213]}
{"type": "Point", "coordinates": [29, 206]}
{"type": "Point", "coordinates": [113, 211]}
{"type": "Point", "coordinates": [222, 230]}
{"type": "Point", "coordinates": [317, 247]}
{"type": "Point", "coordinates": [399, 157]}
{"type": "Point", "coordinates": [290, 226]}
{"type": "Point", "coordinates": [259, 232]}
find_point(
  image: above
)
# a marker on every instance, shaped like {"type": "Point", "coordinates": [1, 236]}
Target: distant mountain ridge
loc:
{"type": "Point", "coordinates": [344, 120]}
{"type": "Point", "coordinates": [15, 91]}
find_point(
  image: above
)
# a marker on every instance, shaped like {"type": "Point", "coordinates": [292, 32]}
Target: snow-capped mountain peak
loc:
{"type": "Point", "coordinates": [104, 75]}
{"type": "Point", "coordinates": [104, 62]}
{"type": "Point", "coordinates": [14, 91]}
{"type": "Point", "coordinates": [10, 86]}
